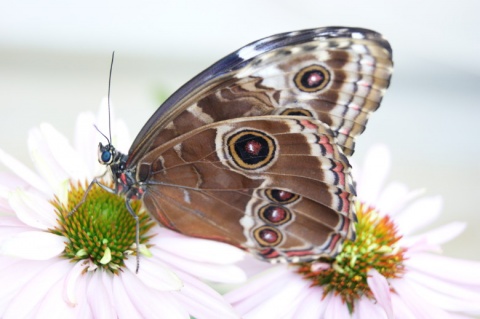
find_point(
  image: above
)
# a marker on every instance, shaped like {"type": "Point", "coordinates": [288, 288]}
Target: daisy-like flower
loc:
{"type": "Point", "coordinates": [388, 272]}
{"type": "Point", "coordinates": [83, 266]}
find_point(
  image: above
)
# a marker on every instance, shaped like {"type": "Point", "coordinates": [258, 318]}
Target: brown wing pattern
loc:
{"type": "Point", "coordinates": [277, 186]}
{"type": "Point", "coordinates": [256, 154]}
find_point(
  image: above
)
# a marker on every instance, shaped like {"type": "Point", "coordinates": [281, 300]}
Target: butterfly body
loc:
{"type": "Point", "coordinates": [254, 150]}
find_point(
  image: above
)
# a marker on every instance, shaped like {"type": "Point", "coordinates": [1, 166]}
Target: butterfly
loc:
{"type": "Point", "coordinates": [254, 151]}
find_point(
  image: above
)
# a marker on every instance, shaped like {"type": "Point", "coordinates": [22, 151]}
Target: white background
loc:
{"type": "Point", "coordinates": [55, 57]}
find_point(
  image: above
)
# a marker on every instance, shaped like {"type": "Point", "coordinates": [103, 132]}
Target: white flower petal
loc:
{"type": "Point", "coordinates": [311, 306]}
{"type": "Point", "coordinates": [210, 271]}
{"type": "Point", "coordinates": [98, 298]}
{"type": "Point", "coordinates": [197, 249]}
{"type": "Point", "coordinates": [366, 308]}
{"type": "Point", "coordinates": [86, 140]}
{"type": "Point", "coordinates": [448, 296]}
{"type": "Point", "coordinates": [126, 309]}
{"type": "Point", "coordinates": [381, 291]}
{"type": "Point", "coordinates": [155, 274]}
{"type": "Point", "coordinates": [44, 161]}
{"type": "Point", "coordinates": [395, 197]}
{"type": "Point", "coordinates": [33, 245]}
{"type": "Point", "coordinates": [335, 308]}
{"type": "Point", "coordinates": [16, 273]}
{"type": "Point", "coordinates": [152, 302]}
{"type": "Point", "coordinates": [375, 169]}
{"type": "Point", "coordinates": [282, 300]}
{"type": "Point", "coordinates": [202, 302]}
{"type": "Point", "coordinates": [70, 283]}
{"type": "Point", "coordinates": [464, 272]}
{"type": "Point", "coordinates": [419, 214]}
{"type": "Point", "coordinates": [33, 210]}
{"type": "Point", "coordinates": [28, 299]}
{"type": "Point", "coordinates": [24, 173]}
{"type": "Point", "coordinates": [420, 307]}
{"type": "Point", "coordinates": [440, 235]}
{"type": "Point", "coordinates": [261, 286]}
{"type": "Point", "coordinates": [58, 161]}
{"type": "Point", "coordinates": [52, 300]}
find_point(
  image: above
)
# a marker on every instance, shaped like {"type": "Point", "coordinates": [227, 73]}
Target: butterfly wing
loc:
{"type": "Point", "coordinates": [253, 151]}
{"type": "Point", "coordinates": [278, 186]}
{"type": "Point", "coordinates": [257, 79]}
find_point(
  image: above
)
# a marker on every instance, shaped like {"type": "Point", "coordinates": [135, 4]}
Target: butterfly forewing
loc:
{"type": "Point", "coordinates": [254, 150]}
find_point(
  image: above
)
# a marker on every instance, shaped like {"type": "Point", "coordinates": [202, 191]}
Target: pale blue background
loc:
{"type": "Point", "coordinates": [54, 61]}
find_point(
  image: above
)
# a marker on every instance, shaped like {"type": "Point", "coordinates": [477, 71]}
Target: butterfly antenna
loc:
{"type": "Point", "coordinates": [101, 133]}
{"type": "Point", "coordinates": [108, 100]}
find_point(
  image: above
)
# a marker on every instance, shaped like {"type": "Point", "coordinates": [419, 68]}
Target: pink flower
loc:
{"type": "Point", "coordinates": [390, 271]}
{"type": "Point", "coordinates": [83, 266]}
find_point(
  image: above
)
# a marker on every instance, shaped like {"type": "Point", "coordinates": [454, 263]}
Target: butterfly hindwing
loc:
{"type": "Point", "coordinates": [254, 150]}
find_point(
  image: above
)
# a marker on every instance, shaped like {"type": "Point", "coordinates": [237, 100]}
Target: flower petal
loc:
{"type": "Point", "coordinates": [438, 235]}
{"type": "Point", "coordinates": [375, 169]}
{"type": "Point", "coordinates": [24, 173]}
{"type": "Point", "coordinates": [28, 299]}
{"type": "Point", "coordinates": [381, 291]}
{"type": "Point", "coordinates": [210, 271]}
{"type": "Point", "coordinates": [155, 274]}
{"type": "Point", "coordinates": [201, 301]}
{"type": "Point", "coordinates": [98, 297]}
{"type": "Point", "coordinates": [124, 305]}
{"type": "Point", "coordinates": [445, 295]}
{"type": "Point", "coordinates": [197, 249]}
{"type": "Point", "coordinates": [33, 245]}
{"type": "Point", "coordinates": [150, 303]}
{"type": "Point", "coordinates": [444, 266]}
{"type": "Point", "coordinates": [419, 214]}
{"type": "Point", "coordinates": [33, 210]}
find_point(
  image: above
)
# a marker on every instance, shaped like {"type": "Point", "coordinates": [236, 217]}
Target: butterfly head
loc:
{"type": "Point", "coordinates": [106, 154]}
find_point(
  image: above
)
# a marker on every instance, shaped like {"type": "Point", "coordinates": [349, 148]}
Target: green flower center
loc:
{"type": "Point", "coordinates": [101, 230]}
{"type": "Point", "coordinates": [376, 246]}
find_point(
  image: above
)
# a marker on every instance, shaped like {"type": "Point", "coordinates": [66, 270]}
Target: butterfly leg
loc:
{"type": "Point", "coordinates": [128, 199]}
{"type": "Point", "coordinates": [89, 188]}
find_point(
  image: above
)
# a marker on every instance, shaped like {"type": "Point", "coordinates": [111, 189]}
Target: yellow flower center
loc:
{"type": "Point", "coordinates": [101, 230]}
{"type": "Point", "coordinates": [376, 246]}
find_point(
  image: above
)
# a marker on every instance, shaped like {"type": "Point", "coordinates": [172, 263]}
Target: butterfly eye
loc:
{"type": "Point", "coordinates": [104, 154]}
{"type": "Point", "coordinates": [312, 78]}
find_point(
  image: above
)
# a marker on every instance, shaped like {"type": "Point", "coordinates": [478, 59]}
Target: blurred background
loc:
{"type": "Point", "coordinates": [55, 58]}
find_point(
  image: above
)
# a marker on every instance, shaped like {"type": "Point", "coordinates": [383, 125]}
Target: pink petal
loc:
{"type": "Point", "coordinates": [33, 245]}
{"type": "Point", "coordinates": [201, 301]}
{"type": "Point", "coordinates": [30, 296]}
{"type": "Point", "coordinates": [381, 291]}
{"type": "Point", "coordinates": [439, 235]}
{"type": "Point", "coordinates": [124, 305]}
{"type": "Point", "coordinates": [33, 210]}
{"type": "Point", "coordinates": [419, 214]}
{"type": "Point", "coordinates": [52, 300]}
{"type": "Point", "coordinates": [262, 285]}
{"type": "Point", "coordinates": [311, 305]}
{"type": "Point", "coordinates": [151, 302]}
{"type": "Point", "coordinates": [44, 161]}
{"type": "Point", "coordinates": [199, 250]}
{"type": "Point", "coordinates": [335, 308]}
{"type": "Point", "coordinates": [416, 304]}
{"type": "Point", "coordinates": [24, 173]}
{"type": "Point", "coordinates": [73, 276]}
{"type": "Point", "coordinates": [98, 297]}
{"type": "Point", "coordinates": [464, 272]}
{"type": "Point", "coordinates": [375, 170]}
{"type": "Point", "coordinates": [366, 308]}
{"type": "Point", "coordinates": [445, 295]}
{"type": "Point", "coordinates": [205, 270]}
{"type": "Point", "coordinates": [281, 300]}
{"type": "Point", "coordinates": [154, 274]}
